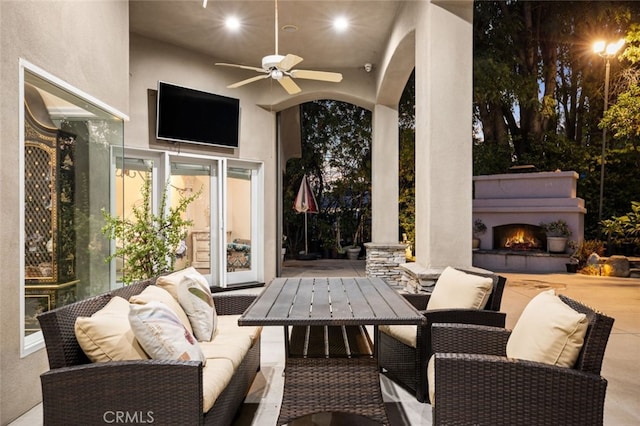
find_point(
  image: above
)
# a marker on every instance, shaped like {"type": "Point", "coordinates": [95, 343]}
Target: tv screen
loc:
{"type": "Point", "coordinates": [193, 116]}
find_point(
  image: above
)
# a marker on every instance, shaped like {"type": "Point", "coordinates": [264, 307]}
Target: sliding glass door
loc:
{"type": "Point", "coordinates": [224, 239]}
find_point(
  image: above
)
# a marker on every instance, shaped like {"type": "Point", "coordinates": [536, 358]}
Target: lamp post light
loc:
{"type": "Point", "coordinates": [606, 51]}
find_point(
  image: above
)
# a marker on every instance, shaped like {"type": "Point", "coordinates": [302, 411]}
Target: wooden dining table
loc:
{"type": "Point", "coordinates": [319, 381]}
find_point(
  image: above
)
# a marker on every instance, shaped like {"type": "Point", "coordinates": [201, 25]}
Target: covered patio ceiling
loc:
{"type": "Point", "coordinates": [308, 29]}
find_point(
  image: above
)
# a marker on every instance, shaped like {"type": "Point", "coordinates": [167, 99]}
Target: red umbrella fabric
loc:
{"type": "Point", "coordinates": [305, 201]}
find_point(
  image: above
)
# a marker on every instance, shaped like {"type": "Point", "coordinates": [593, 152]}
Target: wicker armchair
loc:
{"type": "Point", "coordinates": [477, 384]}
{"type": "Point", "coordinates": [407, 364]}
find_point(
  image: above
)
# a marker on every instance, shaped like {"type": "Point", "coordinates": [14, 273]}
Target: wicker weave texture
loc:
{"type": "Point", "coordinates": [315, 385]}
{"type": "Point", "coordinates": [78, 392]}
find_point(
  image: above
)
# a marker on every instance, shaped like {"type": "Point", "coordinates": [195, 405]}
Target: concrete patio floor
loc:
{"type": "Point", "coordinates": [617, 297]}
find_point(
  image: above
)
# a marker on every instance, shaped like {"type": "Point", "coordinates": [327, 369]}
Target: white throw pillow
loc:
{"type": "Point", "coordinates": [171, 281]}
{"type": "Point", "coordinates": [197, 302]}
{"type": "Point", "coordinates": [153, 293]}
{"type": "Point", "coordinates": [161, 333]}
{"type": "Point", "coordinates": [458, 290]}
{"type": "Point", "coordinates": [107, 336]}
{"type": "Point", "coordinates": [548, 331]}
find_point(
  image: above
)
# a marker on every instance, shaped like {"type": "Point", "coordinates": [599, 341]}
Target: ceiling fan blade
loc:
{"type": "Point", "coordinates": [244, 67]}
{"type": "Point", "coordinates": [247, 81]}
{"type": "Point", "coordinates": [289, 85]}
{"type": "Point", "coordinates": [334, 77]}
{"type": "Point", "coordinates": [289, 62]}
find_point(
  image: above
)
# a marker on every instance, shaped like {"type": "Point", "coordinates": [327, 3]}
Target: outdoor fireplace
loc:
{"type": "Point", "coordinates": [519, 237]}
{"type": "Point", "coordinates": [512, 206]}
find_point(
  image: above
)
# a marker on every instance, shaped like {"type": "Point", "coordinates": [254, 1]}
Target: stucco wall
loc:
{"type": "Point", "coordinates": [86, 45]}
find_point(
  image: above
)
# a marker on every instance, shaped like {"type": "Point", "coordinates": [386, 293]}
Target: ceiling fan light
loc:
{"type": "Point", "coordinates": [277, 74]}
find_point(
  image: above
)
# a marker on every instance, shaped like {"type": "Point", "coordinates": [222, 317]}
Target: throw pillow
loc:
{"type": "Point", "coordinates": [171, 281]}
{"type": "Point", "coordinates": [459, 290]}
{"type": "Point", "coordinates": [161, 333]}
{"type": "Point", "coordinates": [107, 336]}
{"type": "Point", "coordinates": [548, 331]}
{"type": "Point", "coordinates": [157, 294]}
{"type": "Point", "coordinates": [197, 301]}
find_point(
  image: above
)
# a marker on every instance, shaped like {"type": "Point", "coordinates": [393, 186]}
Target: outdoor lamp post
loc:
{"type": "Point", "coordinates": [606, 51]}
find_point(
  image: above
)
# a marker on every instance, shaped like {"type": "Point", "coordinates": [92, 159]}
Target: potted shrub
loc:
{"type": "Point", "coordinates": [149, 243]}
{"type": "Point", "coordinates": [479, 228]}
{"type": "Point", "coordinates": [558, 233]}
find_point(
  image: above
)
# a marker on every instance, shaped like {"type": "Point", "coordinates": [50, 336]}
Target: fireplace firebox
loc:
{"type": "Point", "coordinates": [519, 237]}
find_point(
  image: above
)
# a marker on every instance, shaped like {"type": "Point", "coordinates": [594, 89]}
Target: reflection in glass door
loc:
{"type": "Point", "coordinates": [190, 176]}
{"type": "Point", "coordinates": [241, 229]}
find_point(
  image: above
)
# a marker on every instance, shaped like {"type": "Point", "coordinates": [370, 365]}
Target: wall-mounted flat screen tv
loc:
{"type": "Point", "coordinates": [193, 116]}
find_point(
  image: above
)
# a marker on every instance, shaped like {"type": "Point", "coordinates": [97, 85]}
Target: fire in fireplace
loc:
{"type": "Point", "coordinates": [519, 237]}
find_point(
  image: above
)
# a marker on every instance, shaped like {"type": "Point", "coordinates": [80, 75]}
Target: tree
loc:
{"type": "Point", "coordinates": [148, 242]}
{"type": "Point", "coordinates": [336, 156]}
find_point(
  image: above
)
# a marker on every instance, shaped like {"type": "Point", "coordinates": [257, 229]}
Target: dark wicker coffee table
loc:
{"type": "Point", "coordinates": [321, 373]}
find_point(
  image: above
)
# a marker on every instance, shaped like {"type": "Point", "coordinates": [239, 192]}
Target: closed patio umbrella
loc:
{"type": "Point", "coordinates": [305, 202]}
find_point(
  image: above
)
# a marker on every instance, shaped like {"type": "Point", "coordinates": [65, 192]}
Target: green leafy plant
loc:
{"type": "Point", "coordinates": [558, 228]}
{"type": "Point", "coordinates": [479, 228]}
{"type": "Point", "coordinates": [148, 242]}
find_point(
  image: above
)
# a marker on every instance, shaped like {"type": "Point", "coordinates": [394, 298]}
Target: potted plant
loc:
{"type": "Point", "coordinates": [149, 243]}
{"type": "Point", "coordinates": [479, 228]}
{"type": "Point", "coordinates": [558, 233]}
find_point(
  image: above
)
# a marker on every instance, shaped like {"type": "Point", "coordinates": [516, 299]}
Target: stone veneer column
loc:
{"type": "Point", "coordinates": [384, 260]}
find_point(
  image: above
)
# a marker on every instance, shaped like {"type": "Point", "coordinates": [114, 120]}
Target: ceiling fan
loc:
{"type": "Point", "coordinates": [279, 68]}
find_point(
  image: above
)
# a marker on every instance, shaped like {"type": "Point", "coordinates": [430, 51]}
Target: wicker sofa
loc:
{"type": "Point", "coordinates": [79, 392]}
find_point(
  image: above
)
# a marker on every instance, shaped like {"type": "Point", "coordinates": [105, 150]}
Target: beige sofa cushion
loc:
{"type": "Point", "coordinates": [216, 375]}
{"type": "Point", "coordinates": [548, 331]}
{"type": "Point", "coordinates": [460, 290]}
{"type": "Point", "coordinates": [161, 333]}
{"type": "Point", "coordinates": [233, 348]}
{"type": "Point", "coordinates": [156, 294]}
{"type": "Point", "coordinates": [107, 335]}
{"type": "Point", "coordinates": [228, 325]}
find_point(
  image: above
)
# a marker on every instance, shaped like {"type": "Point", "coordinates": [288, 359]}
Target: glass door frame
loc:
{"type": "Point", "coordinates": [256, 273]}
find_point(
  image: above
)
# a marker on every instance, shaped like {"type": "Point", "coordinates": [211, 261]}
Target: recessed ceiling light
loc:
{"type": "Point", "coordinates": [340, 24]}
{"type": "Point", "coordinates": [289, 28]}
{"type": "Point", "coordinates": [232, 23]}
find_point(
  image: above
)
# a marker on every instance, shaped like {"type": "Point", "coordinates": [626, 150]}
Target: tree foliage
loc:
{"type": "Point", "coordinates": [336, 157]}
{"type": "Point", "coordinates": [147, 242]}
{"type": "Point", "coordinates": [538, 93]}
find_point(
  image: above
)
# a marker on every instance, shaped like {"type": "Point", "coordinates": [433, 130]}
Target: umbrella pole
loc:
{"type": "Point", "coordinates": [306, 247]}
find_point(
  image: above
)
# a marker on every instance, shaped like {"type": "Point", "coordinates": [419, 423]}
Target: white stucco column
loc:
{"type": "Point", "coordinates": [384, 175]}
{"type": "Point", "coordinates": [443, 134]}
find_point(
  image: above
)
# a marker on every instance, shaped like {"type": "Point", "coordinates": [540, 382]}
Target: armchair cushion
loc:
{"type": "Point", "coordinates": [107, 336]}
{"type": "Point", "coordinates": [407, 334]}
{"type": "Point", "coordinates": [161, 334]}
{"type": "Point", "coordinates": [458, 289]}
{"type": "Point", "coordinates": [548, 331]}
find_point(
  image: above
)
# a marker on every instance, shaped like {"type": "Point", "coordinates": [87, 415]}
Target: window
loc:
{"type": "Point", "coordinates": [66, 145]}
